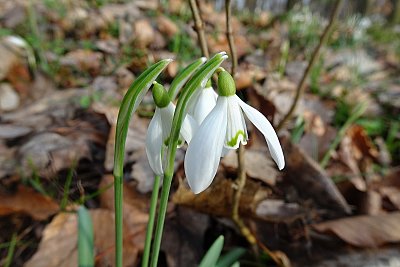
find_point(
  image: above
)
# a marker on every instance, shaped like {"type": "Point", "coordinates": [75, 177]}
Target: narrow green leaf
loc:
{"type": "Point", "coordinates": [11, 250]}
{"type": "Point", "coordinates": [129, 104]}
{"type": "Point", "coordinates": [212, 255]}
{"type": "Point", "coordinates": [183, 77]}
{"type": "Point", "coordinates": [230, 258]}
{"type": "Point", "coordinates": [85, 238]}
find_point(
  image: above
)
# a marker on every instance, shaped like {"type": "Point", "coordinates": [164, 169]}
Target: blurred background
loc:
{"type": "Point", "coordinates": [66, 64]}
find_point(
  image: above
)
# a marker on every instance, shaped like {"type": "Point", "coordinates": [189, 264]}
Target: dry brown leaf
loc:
{"type": "Point", "coordinates": [58, 247]}
{"type": "Point", "coordinates": [83, 60]}
{"type": "Point", "coordinates": [184, 234]}
{"type": "Point", "coordinates": [217, 199]}
{"type": "Point", "coordinates": [28, 201]}
{"type": "Point", "coordinates": [49, 152]}
{"type": "Point", "coordinates": [9, 99]}
{"type": "Point", "coordinates": [259, 165]}
{"type": "Point", "coordinates": [311, 180]}
{"type": "Point", "coordinates": [136, 208]}
{"type": "Point", "coordinates": [9, 131]}
{"type": "Point", "coordinates": [276, 210]}
{"type": "Point", "coordinates": [365, 231]}
{"type": "Point", "coordinates": [246, 78]}
{"type": "Point", "coordinates": [362, 143]}
{"type": "Point", "coordinates": [144, 33]}
{"type": "Point", "coordinates": [221, 44]}
{"type": "Point", "coordinates": [7, 160]}
{"type": "Point", "coordinates": [167, 26]}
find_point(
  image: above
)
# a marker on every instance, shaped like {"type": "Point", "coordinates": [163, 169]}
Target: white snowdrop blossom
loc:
{"type": "Point", "coordinates": [157, 137]}
{"type": "Point", "coordinates": [203, 103]}
{"type": "Point", "coordinates": [225, 128]}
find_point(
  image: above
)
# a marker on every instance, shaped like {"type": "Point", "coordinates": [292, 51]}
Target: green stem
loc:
{"type": "Point", "coordinates": [150, 224]}
{"type": "Point", "coordinates": [118, 200]}
{"type": "Point", "coordinates": [161, 219]}
{"type": "Point", "coordinates": [166, 188]}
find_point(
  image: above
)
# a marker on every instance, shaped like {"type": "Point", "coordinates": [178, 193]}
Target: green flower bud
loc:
{"type": "Point", "coordinates": [160, 95]}
{"type": "Point", "coordinates": [226, 84]}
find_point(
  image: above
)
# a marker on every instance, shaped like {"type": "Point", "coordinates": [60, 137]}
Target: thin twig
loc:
{"type": "Point", "coordinates": [241, 179]}
{"type": "Point", "coordinates": [301, 86]}
{"type": "Point", "coordinates": [229, 37]}
{"type": "Point", "coordinates": [199, 27]}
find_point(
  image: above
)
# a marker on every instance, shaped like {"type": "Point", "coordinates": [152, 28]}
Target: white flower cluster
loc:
{"type": "Point", "coordinates": [214, 124]}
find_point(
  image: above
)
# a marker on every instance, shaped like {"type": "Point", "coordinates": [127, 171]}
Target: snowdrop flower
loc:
{"type": "Point", "coordinates": [203, 103]}
{"type": "Point", "coordinates": [160, 128]}
{"type": "Point", "coordinates": [225, 128]}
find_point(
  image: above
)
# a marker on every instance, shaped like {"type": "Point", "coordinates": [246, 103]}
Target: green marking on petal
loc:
{"type": "Point", "coordinates": [234, 140]}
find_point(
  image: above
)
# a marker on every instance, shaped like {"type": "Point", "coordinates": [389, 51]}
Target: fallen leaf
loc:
{"type": "Point", "coordinates": [365, 231]}
{"type": "Point", "coordinates": [167, 26]}
{"type": "Point", "coordinates": [27, 201]}
{"type": "Point", "coordinates": [144, 33]}
{"type": "Point", "coordinates": [9, 131]}
{"type": "Point", "coordinates": [184, 237]}
{"type": "Point", "coordinates": [59, 244]}
{"type": "Point", "coordinates": [311, 180]}
{"type": "Point", "coordinates": [10, 55]}
{"type": "Point", "coordinates": [9, 99]}
{"type": "Point", "coordinates": [217, 199]}
{"type": "Point", "coordinates": [247, 77]}
{"type": "Point", "coordinates": [277, 210]}
{"type": "Point", "coordinates": [7, 160]}
{"type": "Point", "coordinates": [136, 209]}
{"type": "Point", "coordinates": [220, 43]}
{"type": "Point", "coordinates": [83, 60]}
{"type": "Point", "coordinates": [49, 152]}
{"type": "Point", "coordinates": [259, 165]}
{"type": "Point", "coordinates": [362, 143]}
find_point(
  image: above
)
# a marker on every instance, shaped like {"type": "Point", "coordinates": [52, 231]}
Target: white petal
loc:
{"type": "Point", "coordinates": [205, 103]}
{"type": "Point", "coordinates": [154, 143]}
{"type": "Point", "coordinates": [204, 151]}
{"type": "Point", "coordinates": [236, 131]}
{"type": "Point", "coordinates": [189, 127]}
{"type": "Point", "coordinates": [267, 130]}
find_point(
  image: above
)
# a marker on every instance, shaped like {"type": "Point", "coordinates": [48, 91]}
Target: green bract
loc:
{"type": "Point", "coordinates": [226, 84]}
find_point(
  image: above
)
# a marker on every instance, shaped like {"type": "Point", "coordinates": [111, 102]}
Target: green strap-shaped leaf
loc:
{"type": "Point", "coordinates": [231, 257]}
{"type": "Point", "coordinates": [212, 255]}
{"type": "Point", "coordinates": [183, 76]}
{"type": "Point", "coordinates": [129, 104]}
{"type": "Point", "coordinates": [198, 80]}
{"type": "Point", "coordinates": [85, 238]}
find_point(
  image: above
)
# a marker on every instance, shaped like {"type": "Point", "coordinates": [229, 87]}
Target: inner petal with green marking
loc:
{"type": "Point", "coordinates": [235, 140]}
{"type": "Point", "coordinates": [236, 131]}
